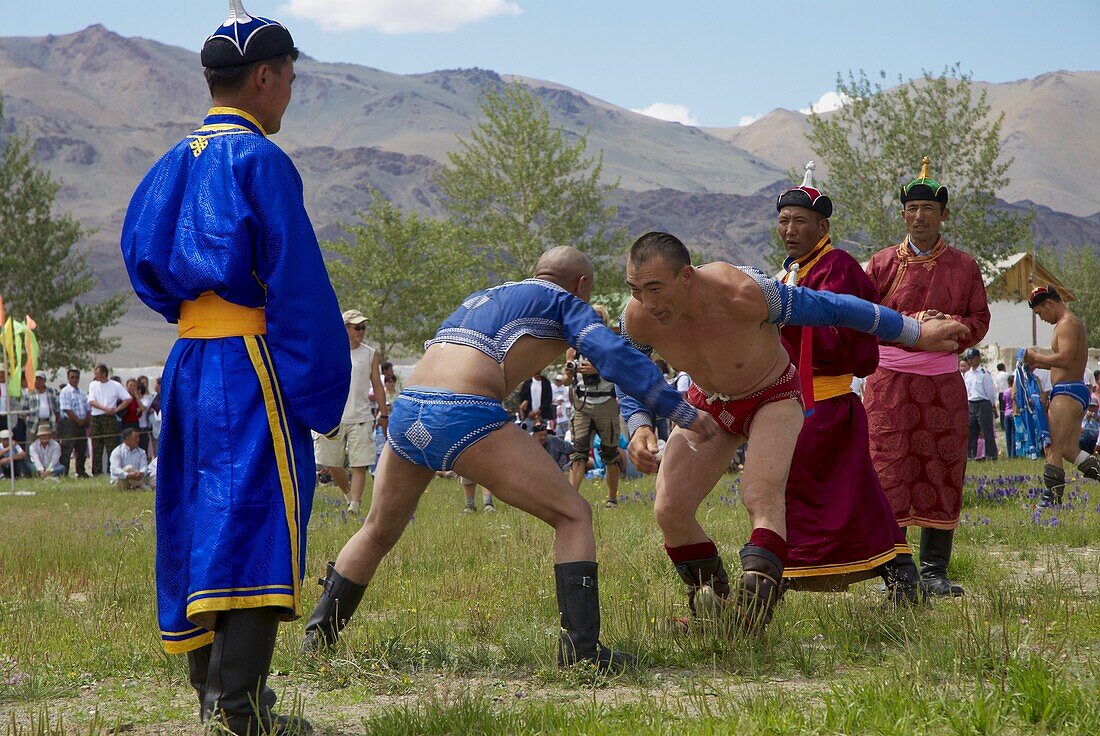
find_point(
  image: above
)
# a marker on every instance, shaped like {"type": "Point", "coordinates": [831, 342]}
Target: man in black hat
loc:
{"type": "Point", "coordinates": [1069, 396]}
{"type": "Point", "coordinates": [840, 527]}
{"type": "Point", "coordinates": [217, 239]}
{"type": "Point", "coordinates": [916, 402]}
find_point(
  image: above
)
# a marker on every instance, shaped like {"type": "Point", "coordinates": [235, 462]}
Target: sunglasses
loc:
{"type": "Point", "coordinates": [359, 328]}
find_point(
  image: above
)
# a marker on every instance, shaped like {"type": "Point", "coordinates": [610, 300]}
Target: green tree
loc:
{"type": "Point", "coordinates": [41, 273]}
{"type": "Point", "coordinates": [1079, 270]}
{"type": "Point", "coordinates": [874, 144]}
{"type": "Point", "coordinates": [518, 186]}
{"type": "Point", "coordinates": [405, 272]}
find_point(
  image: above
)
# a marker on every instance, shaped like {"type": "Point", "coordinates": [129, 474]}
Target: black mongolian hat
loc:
{"type": "Point", "coordinates": [924, 187]}
{"type": "Point", "coordinates": [806, 196]}
{"type": "Point", "coordinates": [244, 39]}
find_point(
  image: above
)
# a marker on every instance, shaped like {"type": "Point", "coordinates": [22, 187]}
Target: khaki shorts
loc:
{"type": "Point", "coordinates": [596, 419]}
{"type": "Point", "coordinates": [355, 439]}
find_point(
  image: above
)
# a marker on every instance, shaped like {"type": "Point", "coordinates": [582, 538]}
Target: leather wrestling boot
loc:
{"type": "Point", "coordinates": [237, 697]}
{"type": "Point", "coordinates": [760, 587]}
{"type": "Point", "coordinates": [339, 599]}
{"type": "Point", "coordinates": [903, 589]}
{"type": "Point", "coordinates": [935, 553]}
{"type": "Point", "coordinates": [198, 665]}
{"type": "Point", "coordinates": [1090, 468]}
{"type": "Point", "coordinates": [579, 605]}
{"type": "Point", "coordinates": [708, 587]}
{"type": "Point", "coordinates": [1054, 478]}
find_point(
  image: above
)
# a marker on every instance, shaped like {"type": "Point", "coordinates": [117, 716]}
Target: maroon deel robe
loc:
{"type": "Point", "coordinates": [840, 526]}
{"type": "Point", "coordinates": [919, 423]}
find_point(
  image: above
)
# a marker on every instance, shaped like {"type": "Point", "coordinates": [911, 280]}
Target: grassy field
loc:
{"type": "Point", "coordinates": [457, 633]}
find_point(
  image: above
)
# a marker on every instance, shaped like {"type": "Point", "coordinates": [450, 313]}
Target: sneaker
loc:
{"type": "Point", "coordinates": [611, 503]}
{"type": "Point", "coordinates": [353, 508]}
{"type": "Point", "coordinates": [470, 509]}
{"type": "Point", "coordinates": [490, 508]}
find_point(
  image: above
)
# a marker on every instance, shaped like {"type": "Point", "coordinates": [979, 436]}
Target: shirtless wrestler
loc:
{"type": "Point", "coordinates": [720, 323]}
{"type": "Point", "coordinates": [1069, 397]}
{"type": "Point", "coordinates": [450, 416]}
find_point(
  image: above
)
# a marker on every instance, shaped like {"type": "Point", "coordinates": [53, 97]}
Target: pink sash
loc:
{"type": "Point", "coordinates": [921, 364]}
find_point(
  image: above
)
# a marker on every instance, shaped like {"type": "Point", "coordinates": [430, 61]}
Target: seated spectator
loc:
{"type": "Point", "coordinates": [1090, 429]}
{"type": "Point", "coordinates": [557, 448]}
{"type": "Point", "coordinates": [151, 473]}
{"type": "Point", "coordinates": [129, 465]}
{"type": "Point", "coordinates": [46, 455]}
{"type": "Point", "coordinates": [13, 458]}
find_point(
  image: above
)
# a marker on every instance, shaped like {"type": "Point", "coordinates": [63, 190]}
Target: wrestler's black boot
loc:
{"type": "Point", "coordinates": [708, 586]}
{"type": "Point", "coordinates": [579, 605]}
{"type": "Point", "coordinates": [339, 599]}
{"type": "Point", "coordinates": [198, 664]}
{"type": "Point", "coordinates": [760, 587]}
{"type": "Point", "coordinates": [1054, 478]}
{"type": "Point", "coordinates": [935, 553]}
{"type": "Point", "coordinates": [903, 589]}
{"type": "Point", "coordinates": [237, 696]}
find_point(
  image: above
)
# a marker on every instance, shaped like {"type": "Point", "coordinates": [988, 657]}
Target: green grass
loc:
{"type": "Point", "coordinates": [456, 635]}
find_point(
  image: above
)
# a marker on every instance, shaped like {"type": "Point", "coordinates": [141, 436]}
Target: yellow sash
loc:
{"type": "Point", "coordinates": [210, 316]}
{"type": "Point", "coordinates": [829, 387]}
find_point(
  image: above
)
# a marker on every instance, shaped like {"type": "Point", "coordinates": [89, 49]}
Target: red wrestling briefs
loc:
{"type": "Point", "coordinates": [735, 415]}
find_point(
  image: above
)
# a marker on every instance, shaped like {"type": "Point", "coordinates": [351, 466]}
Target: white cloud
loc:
{"type": "Point", "coordinates": [748, 120]}
{"type": "Point", "coordinates": [827, 103]}
{"type": "Point", "coordinates": [670, 112]}
{"type": "Point", "coordinates": [397, 16]}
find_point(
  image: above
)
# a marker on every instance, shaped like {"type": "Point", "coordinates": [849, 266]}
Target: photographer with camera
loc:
{"type": "Point", "coordinates": [595, 411]}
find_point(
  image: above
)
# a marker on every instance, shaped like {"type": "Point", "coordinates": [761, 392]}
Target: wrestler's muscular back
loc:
{"type": "Point", "coordinates": [718, 336]}
{"type": "Point", "coordinates": [1069, 335]}
{"type": "Point", "coordinates": [466, 370]}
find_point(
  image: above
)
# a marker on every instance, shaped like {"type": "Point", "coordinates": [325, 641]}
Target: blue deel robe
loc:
{"type": "Point", "coordinates": [222, 212]}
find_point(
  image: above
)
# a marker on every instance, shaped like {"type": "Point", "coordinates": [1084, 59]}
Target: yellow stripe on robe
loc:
{"type": "Point", "coordinates": [829, 387]}
{"type": "Point", "coordinates": [210, 317]}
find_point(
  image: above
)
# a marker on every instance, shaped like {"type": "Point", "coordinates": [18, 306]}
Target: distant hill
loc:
{"type": "Point", "coordinates": [102, 107]}
{"type": "Point", "coordinates": [1051, 128]}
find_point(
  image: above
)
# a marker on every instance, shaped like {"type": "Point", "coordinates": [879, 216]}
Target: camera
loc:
{"type": "Point", "coordinates": [571, 366]}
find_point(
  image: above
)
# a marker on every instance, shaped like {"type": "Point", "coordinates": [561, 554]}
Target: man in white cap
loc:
{"type": "Point", "coordinates": [355, 439]}
{"type": "Point", "coordinates": [46, 454]}
{"type": "Point", "coordinates": [12, 457]}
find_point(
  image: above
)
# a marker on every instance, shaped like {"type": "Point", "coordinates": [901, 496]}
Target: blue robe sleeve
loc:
{"type": "Point", "coordinates": [797, 305]}
{"type": "Point", "coordinates": [637, 379]}
{"type": "Point", "coordinates": [305, 331]}
{"type": "Point", "coordinates": [637, 415]}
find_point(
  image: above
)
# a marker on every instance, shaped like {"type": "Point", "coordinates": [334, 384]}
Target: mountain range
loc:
{"type": "Point", "coordinates": [102, 107]}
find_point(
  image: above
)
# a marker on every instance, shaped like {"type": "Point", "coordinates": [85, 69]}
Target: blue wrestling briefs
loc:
{"type": "Point", "coordinates": [431, 427]}
{"type": "Point", "coordinates": [1075, 390]}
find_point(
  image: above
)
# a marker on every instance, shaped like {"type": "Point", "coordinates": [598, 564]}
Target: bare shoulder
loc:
{"type": "Point", "coordinates": [728, 284]}
{"type": "Point", "coordinates": [637, 323]}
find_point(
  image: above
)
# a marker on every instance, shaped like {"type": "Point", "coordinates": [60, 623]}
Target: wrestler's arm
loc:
{"type": "Point", "coordinates": [630, 370]}
{"type": "Point", "coordinates": [305, 332]}
{"type": "Point", "coordinates": [1067, 340]}
{"type": "Point", "coordinates": [780, 304]}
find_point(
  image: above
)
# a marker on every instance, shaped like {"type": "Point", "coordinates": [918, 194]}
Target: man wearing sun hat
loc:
{"type": "Point", "coordinates": [916, 403]}
{"type": "Point", "coordinates": [356, 437]}
{"type": "Point", "coordinates": [840, 527]}
{"type": "Point", "coordinates": [217, 239]}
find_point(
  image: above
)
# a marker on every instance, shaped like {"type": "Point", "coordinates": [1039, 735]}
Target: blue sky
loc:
{"type": "Point", "coordinates": [713, 63]}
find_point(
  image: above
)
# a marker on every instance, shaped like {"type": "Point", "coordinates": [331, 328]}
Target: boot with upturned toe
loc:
{"type": "Point", "coordinates": [579, 605]}
{"type": "Point", "coordinates": [935, 553]}
{"type": "Point", "coordinates": [338, 602]}
{"type": "Point", "coordinates": [708, 587]}
{"type": "Point", "coordinates": [760, 587]}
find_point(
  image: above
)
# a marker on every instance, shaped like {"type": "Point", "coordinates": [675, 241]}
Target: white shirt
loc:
{"type": "Point", "coordinates": [561, 398]}
{"type": "Point", "coordinates": [1000, 381]}
{"type": "Point", "coordinates": [143, 418]}
{"type": "Point", "coordinates": [979, 385]}
{"type": "Point", "coordinates": [3, 397]}
{"type": "Point", "coordinates": [357, 408]}
{"type": "Point", "coordinates": [45, 458]}
{"type": "Point", "coordinates": [123, 457]}
{"type": "Point", "coordinates": [43, 405]}
{"type": "Point", "coordinates": [1042, 375]}
{"type": "Point", "coordinates": [681, 382]}
{"type": "Point", "coordinates": [536, 396]}
{"type": "Point", "coordinates": [108, 393]}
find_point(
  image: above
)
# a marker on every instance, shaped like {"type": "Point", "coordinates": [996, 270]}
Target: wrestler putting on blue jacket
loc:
{"type": "Point", "coordinates": [450, 416]}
